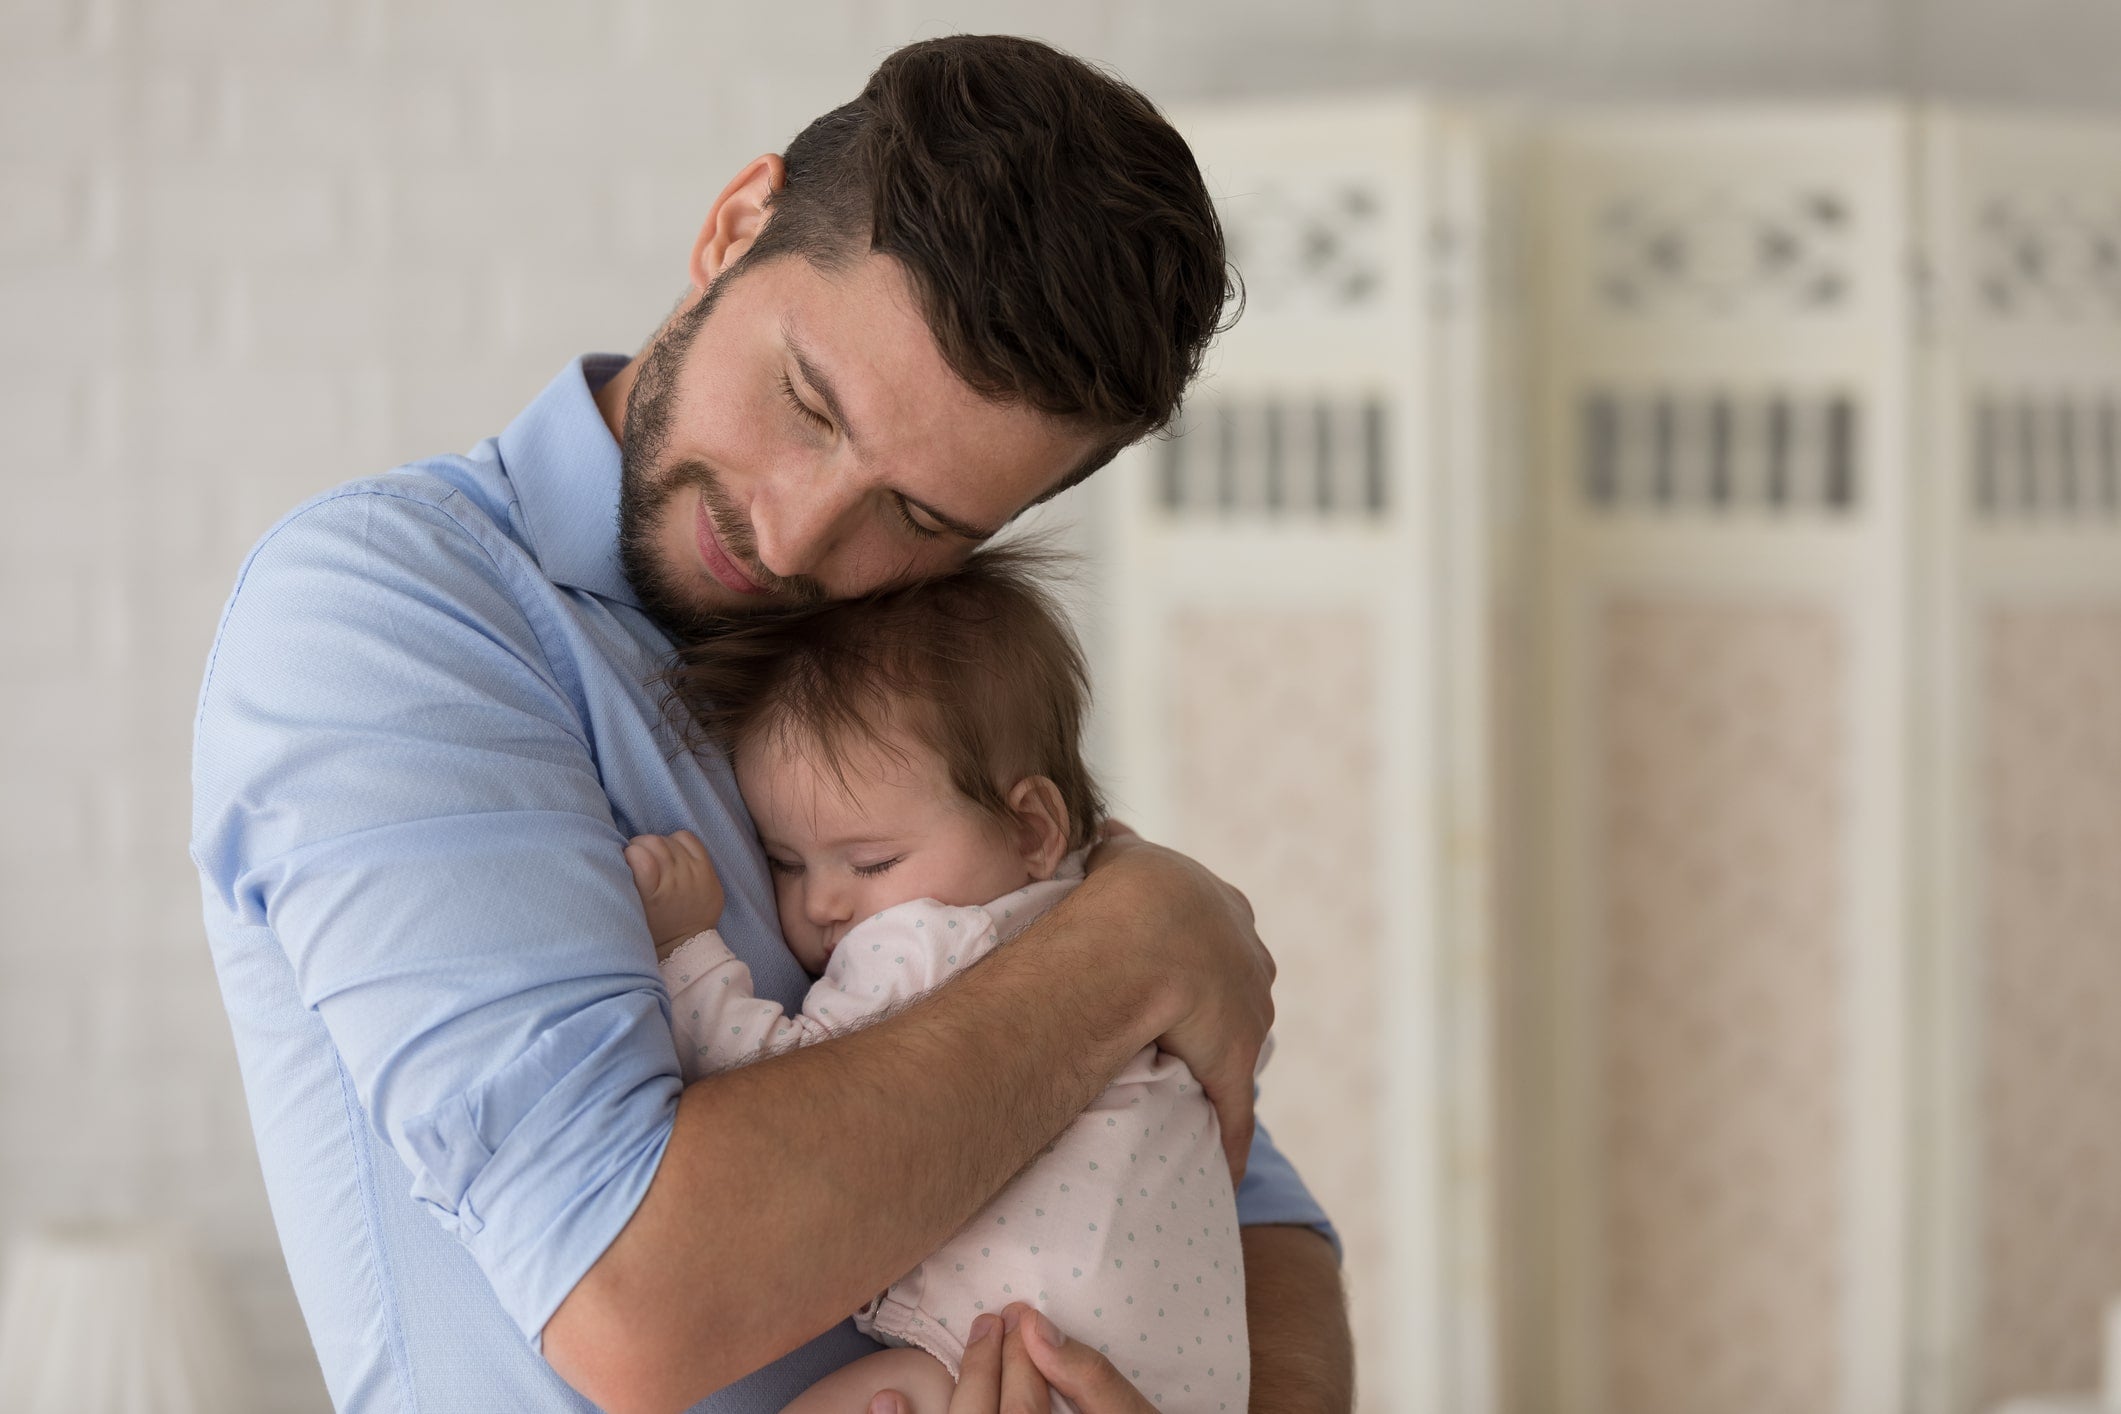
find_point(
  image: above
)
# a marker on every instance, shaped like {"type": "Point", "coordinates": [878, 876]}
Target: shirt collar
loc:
{"type": "Point", "coordinates": [564, 465]}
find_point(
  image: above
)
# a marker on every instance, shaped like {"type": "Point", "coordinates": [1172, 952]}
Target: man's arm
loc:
{"type": "Point", "coordinates": [1294, 1308]}
{"type": "Point", "coordinates": [838, 1167]}
{"type": "Point", "coordinates": [394, 778]}
{"type": "Point", "coordinates": [1303, 1359]}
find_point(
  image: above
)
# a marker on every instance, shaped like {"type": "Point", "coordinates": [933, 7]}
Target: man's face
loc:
{"type": "Point", "coordinates": [794, 434]}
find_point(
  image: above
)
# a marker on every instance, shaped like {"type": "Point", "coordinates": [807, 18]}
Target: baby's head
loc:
{"type": "Point", "coordinates": [922, 742]}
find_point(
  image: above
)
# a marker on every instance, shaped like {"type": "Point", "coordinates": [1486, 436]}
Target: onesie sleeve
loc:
{"type": "Point", "coordinates": [888, 960]}
{"type": "Point", "coordinates": [715, 1014]}
{"type": "Point", "coordinates": [896, 956]}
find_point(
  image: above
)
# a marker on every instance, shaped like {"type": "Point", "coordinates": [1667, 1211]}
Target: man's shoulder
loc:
{"type": "Point", "coordinates": [440, 515]}
{"type": "Point", "coordinates": [430, 543]}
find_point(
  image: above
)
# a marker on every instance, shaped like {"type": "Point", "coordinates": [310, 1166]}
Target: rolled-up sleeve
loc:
{"type": "Point", "coordinates": [1272, 1192]}
{"type": "Point", "coordinates": [394, 775]}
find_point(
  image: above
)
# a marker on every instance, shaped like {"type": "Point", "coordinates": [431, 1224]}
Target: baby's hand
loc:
{"type": "Point", "coordinates": [679, 888]}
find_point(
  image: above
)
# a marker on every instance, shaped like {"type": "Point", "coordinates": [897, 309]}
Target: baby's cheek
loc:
{"type": "Point", "coordinates": [803, 940]}
{"type": "Point", "coordinates": [788, 914]}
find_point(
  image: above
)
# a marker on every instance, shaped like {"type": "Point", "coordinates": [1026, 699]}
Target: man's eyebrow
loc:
{"type": "Point", "coordinates": [822, 386]}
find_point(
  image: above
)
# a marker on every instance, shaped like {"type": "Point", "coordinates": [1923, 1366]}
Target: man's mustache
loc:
{"type": "Point", "coordinates": [738, 541]}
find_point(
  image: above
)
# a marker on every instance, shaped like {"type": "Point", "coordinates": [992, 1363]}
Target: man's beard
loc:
{"type": "Point", "coordinates": [646, 491]}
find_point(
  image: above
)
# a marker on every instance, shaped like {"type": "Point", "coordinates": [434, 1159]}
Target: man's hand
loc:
{"type": "Point", "coordinates": [1216, 977]}
{"type": "Point", "coordinates": [1011, 1360]}
{"type": "Point", "coordinates": [1302, 1359]}
{"type": "Point", "coordinates": [678, 886]}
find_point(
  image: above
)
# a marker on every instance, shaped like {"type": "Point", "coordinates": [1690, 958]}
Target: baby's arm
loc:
{"type": "Point", "coordinates": [714, 1014]}
{"type": "Point", "coordinates": [716, 1017]}
{"type": "Point", "coordinates": [888, 960]}
{"type": "Point", "coordinates": [882, 963]}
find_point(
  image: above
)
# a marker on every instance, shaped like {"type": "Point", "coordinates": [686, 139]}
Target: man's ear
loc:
{"type": "Point", "coordinates": [735, 219]}
{"type": "Point", "coordinates": [1041, 824]}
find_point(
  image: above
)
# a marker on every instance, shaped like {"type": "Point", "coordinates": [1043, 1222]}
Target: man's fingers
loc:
{"type": "Point", "coordinates": [1235, 1119]}
{"type": "Point", "coordinates": [1221, 976]}
{"type": "Point", "coordinates": [1073, 1368]}
{"type": "Point", "coordinates": [1230, 1089]}
{"type": "Point", "coordinates": [1023, 1387]}
{"type": "Point", "coordinates": [979, 1376]}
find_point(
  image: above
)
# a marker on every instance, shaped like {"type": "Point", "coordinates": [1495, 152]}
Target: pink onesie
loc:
{"type": "Point", "coordinates": [1124, 1230]}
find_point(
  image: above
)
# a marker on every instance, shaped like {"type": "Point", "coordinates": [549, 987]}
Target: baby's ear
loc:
{"type": "Point", "coordinates": [1041, 824]}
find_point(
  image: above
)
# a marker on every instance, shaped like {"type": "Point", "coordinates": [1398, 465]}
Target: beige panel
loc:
{"type": "Point", "coordinates": [1273, 786]}
{"type": "Point", "coordinates": [2051, 1091]}
{"type": "Point", "coordinates": [1722, 826]}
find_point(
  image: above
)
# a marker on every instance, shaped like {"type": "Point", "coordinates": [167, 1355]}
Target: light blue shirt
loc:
{"type": "Point", "coordinates": [428, 726]}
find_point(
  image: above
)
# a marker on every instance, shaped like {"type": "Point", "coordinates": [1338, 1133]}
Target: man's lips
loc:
{"type": "Point", "coordinates": [712, 555]}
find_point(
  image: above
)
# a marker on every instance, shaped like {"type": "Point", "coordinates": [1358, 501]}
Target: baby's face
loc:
{"type": "Point", "coordinates": [896, 832]}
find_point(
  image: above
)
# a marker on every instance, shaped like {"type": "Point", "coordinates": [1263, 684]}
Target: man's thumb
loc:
{"type": "Point", "coordinates": [1077, 1371]}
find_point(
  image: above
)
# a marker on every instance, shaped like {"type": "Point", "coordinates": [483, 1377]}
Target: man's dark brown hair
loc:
{"type": "Point", "coordinates": [977, 665]}
{"type": "Point", "coordinates": [1056, 227]}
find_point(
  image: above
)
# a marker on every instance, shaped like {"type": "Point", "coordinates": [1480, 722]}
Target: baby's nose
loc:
{"type": "Point", "coordinates": [826, 904]}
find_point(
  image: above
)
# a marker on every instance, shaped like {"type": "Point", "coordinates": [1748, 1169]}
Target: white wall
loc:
{"type": "Point", "coordinates": [249, 248]}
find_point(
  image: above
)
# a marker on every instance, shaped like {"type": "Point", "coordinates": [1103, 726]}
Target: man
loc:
{"type": "Point", "coordinates": [431, 721]}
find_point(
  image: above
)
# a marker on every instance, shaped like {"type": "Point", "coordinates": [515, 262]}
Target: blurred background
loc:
{"type": "Point", "coordinates": [1637, 603]}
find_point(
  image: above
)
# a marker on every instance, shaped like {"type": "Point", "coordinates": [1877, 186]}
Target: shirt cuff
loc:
{"type": "Point", "coordinates": [1273, 1193]}
{"type": "Point", "coordinates": [539, 1166]}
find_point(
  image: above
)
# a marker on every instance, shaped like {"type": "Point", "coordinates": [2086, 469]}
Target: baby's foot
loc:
{"type": "Point", "coordinates": [679, 889]}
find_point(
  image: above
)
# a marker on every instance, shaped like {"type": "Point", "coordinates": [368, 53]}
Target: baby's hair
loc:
{"type": "Point", "coordinates": [978, 665]}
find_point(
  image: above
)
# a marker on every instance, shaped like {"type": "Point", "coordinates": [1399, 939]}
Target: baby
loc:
{"type": "Point", "coordinates": [912, 762]}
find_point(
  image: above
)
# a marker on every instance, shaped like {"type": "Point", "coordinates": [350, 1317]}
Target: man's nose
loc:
{"type": "Point", "coordinates": [799, 526]}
